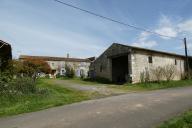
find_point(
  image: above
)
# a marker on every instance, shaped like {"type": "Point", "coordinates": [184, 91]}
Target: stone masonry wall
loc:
{"type": "Point", "coordinates": [77, 66]}
{"type": "Point", "coordinates": [104, 61]}
{"type": "Point", "coordinates": [140, 63]}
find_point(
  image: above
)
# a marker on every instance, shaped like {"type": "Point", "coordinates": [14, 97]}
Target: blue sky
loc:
{"type": "Point", "coordinates": [44, 27]}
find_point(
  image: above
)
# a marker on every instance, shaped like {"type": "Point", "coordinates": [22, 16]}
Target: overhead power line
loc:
{"type": "Point", "coordinates": [113, 20]}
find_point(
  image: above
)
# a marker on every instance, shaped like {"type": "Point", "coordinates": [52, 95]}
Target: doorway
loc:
{"type": "Point", "coordinates": [120, 69]}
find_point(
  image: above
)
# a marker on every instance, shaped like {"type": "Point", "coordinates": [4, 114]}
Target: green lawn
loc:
{"type": "Point", "coordinates": [53, 96]}
{"type": "Point", "coordinates": [182, 121]}
{"type": "Point", "coordinates": [80, 81]}
{"type": "Point", "coordinates": [154, 86]}
{"type": "Point", "coordinates": [136, 87]}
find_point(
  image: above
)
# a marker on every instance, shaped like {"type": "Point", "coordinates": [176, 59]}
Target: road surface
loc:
{"type": "Point", "coordinates": [133, 110]}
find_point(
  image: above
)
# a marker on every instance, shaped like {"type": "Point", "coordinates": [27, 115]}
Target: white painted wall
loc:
{"type": "Point", "coordinates": [59, 66]}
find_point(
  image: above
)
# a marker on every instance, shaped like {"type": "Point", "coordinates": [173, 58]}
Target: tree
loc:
{"type": "Point", "coordinates": [34, 66]}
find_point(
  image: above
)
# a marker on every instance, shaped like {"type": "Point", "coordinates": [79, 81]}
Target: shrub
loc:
{"type": "Point", "coordinates": [169, 72]}
{"type": "Point", "coordinates": [58, 75]}
{"type": "Point", "coordinates": [142, 77]}
{"type": "Point", "coordinates": [18, 86]}
{"type": "Point", "coordinates": [24, 85]}
{"type": "Point", "coordinates": [33, 66]}
{"type": "Point", "coordinates": [186, 75]}
{"type": "Point", "coordinates": [145, 76]}
{"type": "Point", "coordinates": [157, 73]}
{"type": "Point", "coordinates": [82, 74]}
{"type": "Point", "coordinates": [47, 76]}
{"type": "Point", "coordinates": [29, 68]}
{"type": "Point", "coordinates": [5, 88]}
{"type": "Point", "coordinates": [70, 72]}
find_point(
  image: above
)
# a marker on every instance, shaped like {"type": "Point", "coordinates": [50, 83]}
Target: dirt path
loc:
{"type": "Point", "coordinates": [134, 110]}
{"type": "Point", "coordinates": [100, 88]}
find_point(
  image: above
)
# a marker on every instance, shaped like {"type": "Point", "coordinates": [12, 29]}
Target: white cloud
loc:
{"type": "Point", "coordinates": [168, 31]}
{"type": "Point", "coordinates": [165, 21]}
{"type": "Point", "coordinates": [146, 44]}
{"type": "Point", "coordinates": [166, 27]}
{"type": "Point", "coordinates": [143, 41]}
{"type": "Point", "coordinates": [185, 26]}
{"type": "Point", "coordinates": [144, 36]}
{"type": "Point", "coordinates": [173, 27]}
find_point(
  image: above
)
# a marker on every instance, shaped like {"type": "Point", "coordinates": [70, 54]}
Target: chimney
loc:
{"type": "Point", "coordinates": [67, 55]}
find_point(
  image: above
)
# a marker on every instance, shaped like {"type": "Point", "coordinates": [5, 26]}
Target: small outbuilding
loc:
{"type": "Point", "coordinates": [5, 54]}
{"type": "Point", "coordinates": [121, 63]}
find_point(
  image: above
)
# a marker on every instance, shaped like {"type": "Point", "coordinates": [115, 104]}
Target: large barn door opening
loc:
{"type": "Point", "coordinates": [120, 69]}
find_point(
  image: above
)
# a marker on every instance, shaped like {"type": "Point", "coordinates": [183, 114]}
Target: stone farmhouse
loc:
{"type": "Point", "coordinates": [5, 54]}
{"type": "Point", "coordinates": [57, 64]}
{"type": "Point", "coordinates": [122, 63]}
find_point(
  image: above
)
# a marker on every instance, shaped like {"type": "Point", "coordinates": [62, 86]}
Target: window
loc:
{"type": "Point", "coordinates": [150, 59]}
{"type": "Point", "coordinates": [63, 72]}
{"type": "Point", "coordinates": [81, 72]}
{"type": "Point", "coordinates": [101, 68]}
{"type": "Point", "coordinates": [175, 62]}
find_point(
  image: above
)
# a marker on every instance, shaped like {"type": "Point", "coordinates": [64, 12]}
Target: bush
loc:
{"type": "Point", "coordinates": [145, 76]}
{"type": "Point", "coordinates": [58, 75]}
{"type": "Point", "coordinates": [24, 85]}
{"type": "Point", "coordinates": [82, 74]}
{"type": "Point", "coordinates": [18, 86]}
{"type": "Point", "coordinates": [5, 88]}
{"type": "Point", "coordinates": [70, 72]}
{"type": "Point", "coordinates": [157, 73]}
{"type": "Point", "coordinates": [169, 72]}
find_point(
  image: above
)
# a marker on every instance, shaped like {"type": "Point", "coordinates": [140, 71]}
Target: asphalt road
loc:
{"type": "Point", "coordinates": [134, 110]}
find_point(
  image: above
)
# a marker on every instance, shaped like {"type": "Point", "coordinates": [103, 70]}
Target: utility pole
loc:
{"type": "Point", "coordinates": [186, 57]}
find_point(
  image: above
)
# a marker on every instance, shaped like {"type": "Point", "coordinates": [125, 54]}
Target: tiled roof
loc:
{"type": "Point", "coordinates": [150, 50]}
{"type": "Point", "coordinates": [49, 58]}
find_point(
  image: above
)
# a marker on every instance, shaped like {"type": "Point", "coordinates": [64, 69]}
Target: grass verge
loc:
{"type": "Point", "coordinates": [54, 96]}
{"type": "Point", "coordinates": [154, 86]}
{"type": "Point", "coordinates": [135, 87]}
{"type": "Point", "coordinates": [182, 121]}
{"type": "Point", "coordinates": [80, 81]}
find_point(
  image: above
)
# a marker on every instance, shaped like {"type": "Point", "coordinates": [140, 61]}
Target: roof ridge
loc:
{"type": "Point", "coordinates": [147, 49]}
{"type": "Point", "coordinates": [54, 58]}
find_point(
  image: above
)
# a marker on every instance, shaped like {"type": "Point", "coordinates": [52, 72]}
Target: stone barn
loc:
{"type": "Point", "coordinates": [122, 63]}
{"type": "Point", "coordinates": [5, 54]}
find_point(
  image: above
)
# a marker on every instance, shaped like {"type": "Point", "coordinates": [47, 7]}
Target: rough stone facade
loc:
{"type": "Point", "coordinates": [138, 61]}
{"type": "Point", "coordinates": [79, 67]}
